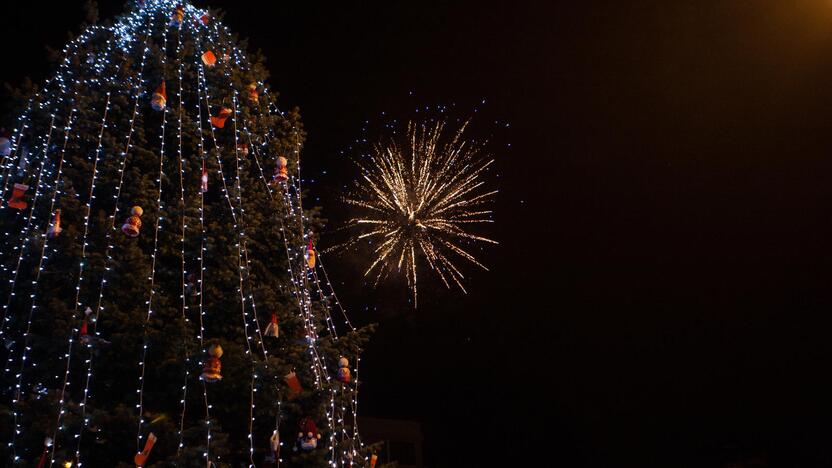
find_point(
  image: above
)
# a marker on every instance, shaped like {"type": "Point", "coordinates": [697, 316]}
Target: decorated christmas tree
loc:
{"type": "Point", "coordinates": [162, 299]}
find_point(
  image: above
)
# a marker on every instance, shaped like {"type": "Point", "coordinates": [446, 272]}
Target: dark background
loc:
{"type": "Point", "coordinates": [660, 294]}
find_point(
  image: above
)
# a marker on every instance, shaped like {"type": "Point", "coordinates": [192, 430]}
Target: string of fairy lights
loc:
{"type": "Point", "coordinates": [108, 257]}
{"type": "Point", "coordinates": [305, 298]}
{"type": "Point", "coordinates": [238, 247]}
{"type": "Point", "coordinates": [238, 188]}
{"type": "Point", "coordinates": [152, 277]}
{"type": "Point", "coordinates": [53, 227]}
{"type": "Point", "coordinates": [202, 249]}
{"type": "Point", "coordinates": [303, 274]}
{"type": "Point", "coordinates": [9, 162]}
{"type": "Point", "coordinates": [325, 299]}
{"type": "Point", "coordinates": [18, 388]}
{"type": "Point", "coordinates": [53, 106]}
{"type": "Point", "coordinates": [244, 267]}
{"type": "Point", "coordinates": [99, 66]}
{"type": "Point", "coordinates": [291, 210]}
{"type": "Point", "coordinates": [282, 230]}
{"type": "Point", "coordinates": [24, 164]}
{"type": "Point", "coordinates": [331, 415]}
{"type": "Point", "coordinates": [183, 226]}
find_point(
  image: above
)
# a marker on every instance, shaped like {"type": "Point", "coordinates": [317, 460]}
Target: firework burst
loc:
{"type": "Point", "coordinates": [418, 199]}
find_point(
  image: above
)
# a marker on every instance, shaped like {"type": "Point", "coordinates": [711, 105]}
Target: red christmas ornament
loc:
{"type": "Point", "coordinates": [211, 371]}
{"type": "Point", "coordinates": [84, 333]}
{"type": "Point", "coordinates": [160, 98]}
{"type": "Point", "coordinates": [133, 225]}
{"type": "Point", "coordinates": [205, 18]}
{"type": "Point", "coordinates": [209, 59]}
{"type": "Point", "coordinates": [141, 458]}
{"type": "Point", "coordinates": [293, 383]}
{"type": "Point", "coordinates": [281, 172]}
{"type": "Point", "coordinates": [219, 119]}
{"type": "Point", "coordinates": [344, 370]}
{"type": "Point", "coordinates": [272, 329]}
{"type": "Point", "coordinates": [308, 434]}
{"type": "Point", "coordinates": [310, 255]}
{"type": "Point", "coordinates": [17, 202]}
{"type": "Point", "coordinates": [373, 460]}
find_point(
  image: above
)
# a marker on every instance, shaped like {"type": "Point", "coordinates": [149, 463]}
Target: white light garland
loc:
{"type": "Point", "coordinates": [152, 278]}
{"type": "Point", "coordinates": [202, 250]}
{"type": "Point", "coordinates": [119, 31]}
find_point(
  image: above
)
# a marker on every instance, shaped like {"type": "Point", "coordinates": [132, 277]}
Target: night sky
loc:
{"type": "Point", "coordinates": [660, 294]}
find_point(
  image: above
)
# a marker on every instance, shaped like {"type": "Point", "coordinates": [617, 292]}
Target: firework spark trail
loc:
{"type": "Point", "coordinates": [418, 199]}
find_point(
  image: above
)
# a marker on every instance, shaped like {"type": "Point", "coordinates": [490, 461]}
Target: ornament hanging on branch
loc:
{"type": "Point", "coordinates": [18, 192]}
{"type": "Point", "coordinates": [160, 98]}
{"type": "Point", "coordinates": [209, 59]}
{"type": "Point", "coordinates": [373, 460]}
{"type": "Point", "coordinates": [272, 329]}
{"type": "Point", "coordinates": [211, 372]}
{"type": "Point", "coordinates": [178, 16]}
{"type": "Point", "coordinates": [55, 228]}
{"type": "Point", "coordinates": [310, 255]}
{"type": "Point", "coordinates": [84, 335]}
{"type": "Point", "coordinates": [308, 434]}
{"type": "Point", "coordinates": [205, 18]}
{"type": "Point", "coordinates": [281, 171]}
{"type": "Point", "coordinates": [344, 370]}
{"type": "Point", "coordinates": [141, 458]}
{"type": "Point", "coordinates": [133, 225]}
{"type": "Point", "coordinates": [219, 119]}
{"type": "Point", "coordinates": [293, 383]}
{"type": "Point", "coordinates": [253, 95]}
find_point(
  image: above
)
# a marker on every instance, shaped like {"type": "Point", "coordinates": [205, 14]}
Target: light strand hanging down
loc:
{"type": "Point", "coordinates": [63, 76]}
{"type": "Point", "coordinates": [31, 225]}
{"type": "Point", "coordinates": [183, 226]}
{"type": "Point", "coordinates": [111, 225]}
{"type": "Point", "coordinates": [202, 250]}
{"type": "Point", "coordinates": [152, 277]}
{"type": "Point", "coordinates": [238, 246]}
{"type": "Point", "coordinates": [244, 270]}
